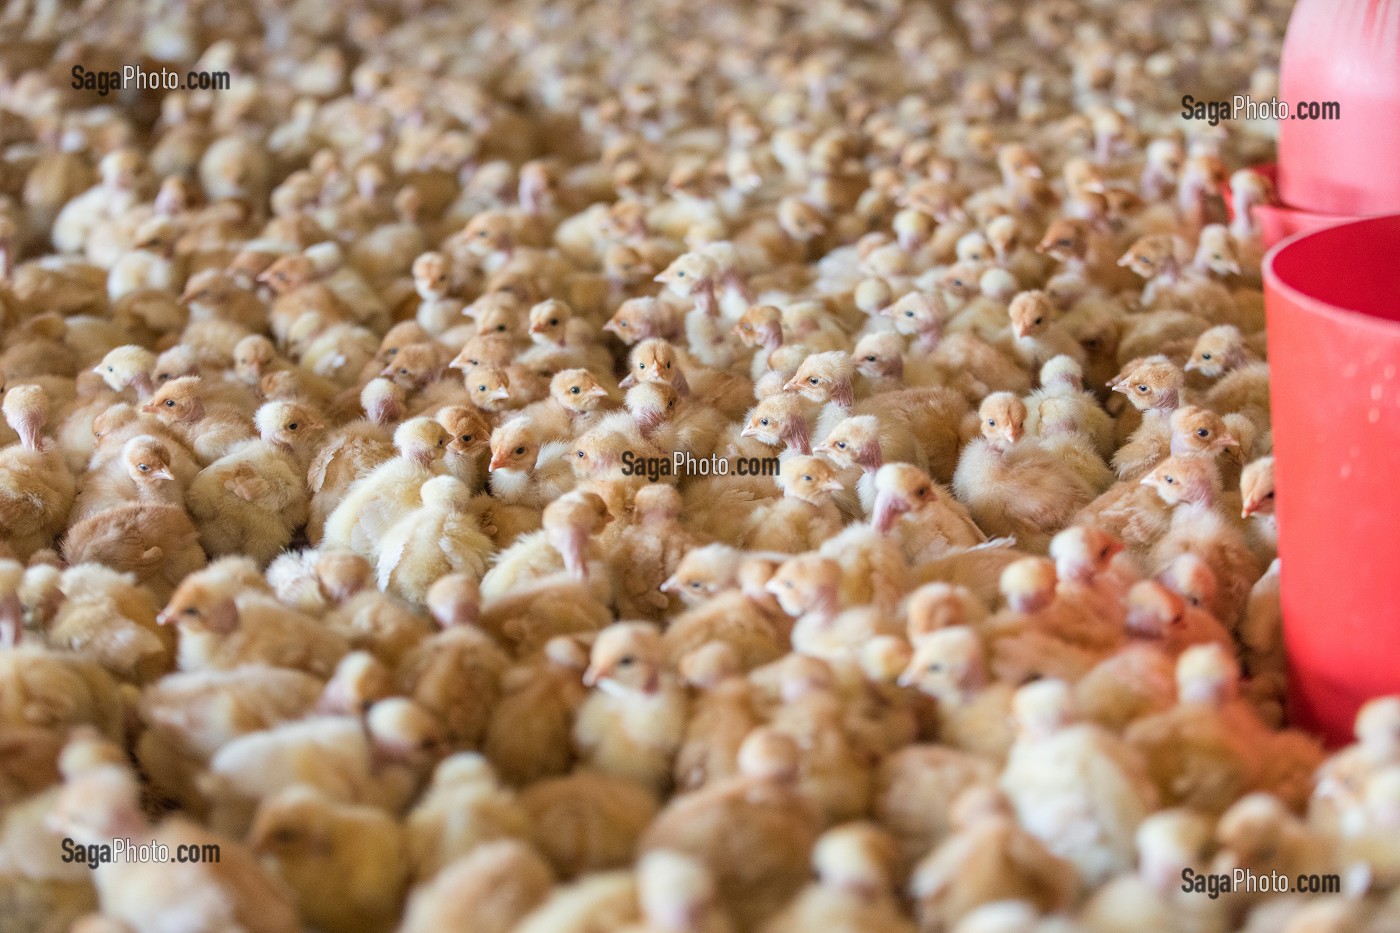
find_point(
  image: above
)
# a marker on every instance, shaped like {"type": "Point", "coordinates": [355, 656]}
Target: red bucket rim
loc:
{"type": "Point", "coordinates": [1353, 317]}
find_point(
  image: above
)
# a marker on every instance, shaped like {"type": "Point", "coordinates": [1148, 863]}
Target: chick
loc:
{"type": "Point", "coordinates": [677, 895]}
{"type": "Point", "coordinates": [224, 623]}
{"type": "Point", "coordinates": [489, 890]}
{"type": "Point", "coordinates": [142, 473]}
{"type": "Point", "coordinates": [346, 865]}
{"type": "Point", "coordinates": [988, 858]}
{"type": "Point", "coordinates": [456, 676]}
{"type": "Point", "coordinates": [526, 470]}
{"type": "Point", "coordinates": [633, 722]}
{"type": "Point", "coordinates": [647, 551]}
{"type": "Point", "coordinates": [36, 488]}
{"type": "Point", "coordinates": [1076, 787]}
{"type": "Point", "coordinates": [568, 543]}
{"type": "Point", "coordinates": [854, 865]}
{"type": "Point", "coordinates": [974, 713]}
{"type": "Point", "coordinates": [107, 617]}
{"type": "Point", "coordinates": [1257, 497]}
{"type": "Point", "coordinates": [588, 821]}
{"type": "Point", "coordinates": [462, 808]}
{"type": "Point", "coordinates": [371, 504]}
{"type": "Point", "coordinates": [754, 832]}
{"type": "Point", "coordinates": [927, 521]}
{"type": "Point", "coordinates": [527, 738]}
{"type": "Point", "coordinates": [1010, 483]}
{"type": "Point", "coordinates": [351, 451]}
{"type": "Point", "coordinates": [440, 537]}
{"type": "Point", "coordinates": [805, 516]}
{"type": "Point", "coordinates": [1035, 336]}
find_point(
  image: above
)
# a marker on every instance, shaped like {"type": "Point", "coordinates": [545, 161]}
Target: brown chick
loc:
{"type": "Point", "coordinates": [210, 430]}
{"type": "Point", "coordinates": [988, 858]}
{"type": "Point", "coordinates": [346, 865]}
{"type": "Point", "coordinates": [158, 543]}
{"type": "Point", "coordinates": [489, 890]}
{"type": "Point", "coordinates": [974, 712]}
{"type": "Point", "coordinates": [36, 488]}
{"type": "Point", "coordinates": [527, 738]}
{"type": "Point", "coordinates": [588, 821]}
{"type": "Point", "coordinates": [754, 832]}
{"type": "Point", "coordinates": [855, 866]}
{"type": "Point", "coordinates": [633, 722]}
{"type": "Point", "coordinates": [805, 516]}
{"type": "Point", "coordinates": [462, 808]}
{"type": "Point", "coordinates": [647, 551]}
{"type": "Point", "coordinates": [107, 617]}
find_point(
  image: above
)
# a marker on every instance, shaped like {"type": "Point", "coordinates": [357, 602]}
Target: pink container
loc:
{"type": "Point", "coordinates": [1333, 302]}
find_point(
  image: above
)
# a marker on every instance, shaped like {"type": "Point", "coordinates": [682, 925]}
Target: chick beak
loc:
{"type": "Point", "coordinates": [591, 676]}
{"type": "Point", "coordinates": [1192, 365]}
{"type": "Point", "coordinates": [596, 392]}
{"type": "Point", "coordinates": [1250, 507]}
{"type": "Point", "coordinates": [150, 408]}
{"type": "Point", "coordinates": [663, 277]}
{"type": "Point", "coordinates": [1021, 330]}
{"type": "Point", "coordinates": [537, 328]}
{"type": "Point", "coordinates": [888, 507]}
{"type": "Point", "coordinates": [499, 395]}
{"type": "Point", "coordinates": [792, 385]}
{"type": "Point", "coordinates": [1225, 440]}
{"type": "Point", "coordinates": [749, 431]}
{"type": "Point", "coordinates": [628, 381]}
{"type": "Point", "coordinates": [163, 473]}
{"type": "Point", "coordinates": [908, 677]}
{"type": "Point", "coordinates": [611, 327]}
{"type": "Point", "coordinates": [670, 586]}
{"type": "Point", "coordinates": [498, 461]}
{"type": "Point", "coordinates": [165, 617]}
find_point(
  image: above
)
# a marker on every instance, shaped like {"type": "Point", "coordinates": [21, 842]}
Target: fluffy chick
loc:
{"type": "Point", "coordinates": [441, 536]}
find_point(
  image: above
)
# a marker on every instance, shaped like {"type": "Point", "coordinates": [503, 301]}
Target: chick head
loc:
{"type": "Point", "coordinates": [949, 663]}
{"type": "Point", "coordinates": [1031, 312]}
{"type": "Point", "coordinates": [824, 377]}
{"type": "Point", "coordinates": [445, 494]}
{"type": "Point", "coordinates": [935, 606]}
{"type": "Point", "coordinates": [569, 522]}
{"type": "Point", "coordinates": [688, 273]}
{"type": "Point", "coordinates": [770, 756]}
{"type": "Point", "coordinates": [403, 334]}
{"type": "Point", "coordinates": [1065, 239]}
{"type": "Point", "coordinates": [1064, 371]}
{"type": "Point", "coordinates": [1082, 552]}
{"type": "Point", "coordinates": [1028, 585]}
{"type": "Point", "coordinates": [1153, 382]}
{"type": "Point", "coordinates": [1217, 351]}
{"type": "Point", "coordinates": [625, 266]}
{"type": "Point", "coordinates": [1378, 723]}
{"type": "Point", "coordinates": [858, 858]}
{"type": "Point", "coordinates": [415, 365]}
{"type": "Point", "coordinates": [806, 583]}
{"type": "Point", "coordinates": [422, 440]}
{"type": "Point", "coordinates": [917, 313]}
{"type": "Point", "coordinates": [454, 600]}
{"type": "Point", "coordinates": [1042, 708]}
{"type": "Point", "coordinates": [800, 220]}
{"type": "Point", "coordinates": [1190, 577]}
{"type": "Point", "coordinates": [627, 659]}
{"type": "Point", "coordinates": [360, 680]}
{"type": "Point", "coordinates": [704, 573]}
{"type": "Point", "coordinates": [879, 356]}
{"type": "Point", "coordinates": [651, 405]}
{"type": "Point", "coordinates": [548, 320]}
{"type": "Point", "coordinates": [599, 451]}
{"type": "Point", "coordinates": [1154, 611]}
{"type": "Point", "coordinates": [403, 731]}
{"type": "Point", "coordinates": [342, 574]}
{"type": "Point", "coordinates": [203, 602]}
{"type": "Point", "coordinates": [900, 488]}
{"type": "Point", "coordinates": [1199, 431]}
{"type": "Point", "coordinates": [26, 411]}
{"type": "Point", "coordinates": [127, 366]}
{"type": "Point", "coordinates": [884, 658]}
{"type": "Point", "coordinates": [288, 425]}
{"type": "Point", "coordinates": [469, 431]}
{"type": "Point", "coordinates": [779, 420]}
{"type": "Point", "coordinates": [251, 357]}
{"type": "Point", "coordinates": [577, 390]}
{"type": "Point", "coordinates": [1169, 841]}
{"type": "Point", "coordinates": [1151, 256]}
{"type": "Point", "coordinates": [1002, 232]}
{"type": "Point", "coordinates": [100, 804]}
{"type": "Point", "coordinates": [872, 295]}
{"type": "Point", "coordinates": [655, 360]}
{"type": "Point", "coordinates": [432, 275]}
{"type": "Point", "coordinates": [487, 233]}
{"type": "Point", "coordinates": [808, 478]}
{"type": "Point", "coordinates": [1207, 674]}
{"type": "Point", "coordinates": [122, 169]}
{"type": "Point", "coordinates": [1191, 478]}
{"type": "Point", "coordinates": [1216, 251]}
{"type": "Point", "coordinates": [488, 388]}
{"type": "Point", "coordinates": [1254, 830]}
{"type": "Point", "coordinates": [147, 460]}
{"type": "Point", "coordinates": [635, 319]}
{"type": "Point", "coordinates": [178, 401]}
{"type": "Point", "coordinates": [514, 446]}
{"type": "Point", "coordinates": [760, 325]}
{"type": "Point", "coordinates": [676, 892]}
{"type": "Point", "coordinates": [287, 274]}
{"type": "Point", "coordinates": [1003, 418]}
{"type": "Point", "coordinates": [295, 824]}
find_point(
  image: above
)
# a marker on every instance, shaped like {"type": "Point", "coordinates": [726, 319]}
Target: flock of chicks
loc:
{"type": "Point", "coordinates": [321, 543]}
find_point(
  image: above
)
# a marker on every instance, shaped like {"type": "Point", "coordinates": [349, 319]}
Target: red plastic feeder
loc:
{"type": "Point", "coordinates": [1333, 302]}
{"type": "Point", "coordinates": [1334, 171]}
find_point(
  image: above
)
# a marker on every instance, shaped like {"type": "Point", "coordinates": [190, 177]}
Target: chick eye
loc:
{"type": "Point", "coordinates": [500, 327]}
{"type": "Point", "coordinates": [554, 322]}
{"type": "Point", "coordinates": [110, 369]}
{"type": "Point", "coordinates": [1205, 356]}
{"type": "Point", "coordinates": [467, 438]}
{"type": "Point", "coordinates": [1063, 242]}
{"type": "Point", "coordinates": [481, 388]}
{"type": "Point", "coordinates": [680, 274]}
{"type": "Point", "coordinates": [170, 403]}
{"type": "Point", "coordinates": [1142, 389]}
{"type": "Point", "coordinates": [641, 365]}
{"type": "Point", "coordinates": [922, 493]}
{"type": "Point", "coordinates": [695, 584]}
{"type": "Point", "coordinates": [908, 313]}
{"type": "Point", "coordinates": [575, 390]}
{"type": "Point", "coordinates": [623, 324]}
{"type": "Point", "coordinates": [393, 350]}
{"type": "Point", "coordinates": [143, 468]}
{"type": "Point", "coordinates": [1203, 432]}
{"type": "Point", "coordinates": [841, 445]}
{"type": "Point", "coordinates": [293, 426]}
{"type": "Point", "coordinates": [991, 422]}
{"type": "Point", "coordinates": [519, 451]}
{"type": "Point", "coordinates": [764, 422]}
{"type": "Point", "coordinates": [1039, 319]}
{"type": "Point", "coordinates": [806, 478]}
{"type": "Point", "coordinates": [403, 371]}
{"type": "Point", "coordinates": [1169, 480]}
{"type": "Point", "coordinates": [935, 668]}
{"type": "Point", "coordinates": [1269, 496]}
{"type": "Point", "coordinates": [870, 359]}
{"type": "Point", "coordinates": [191, 611]}
{"type": "Point", "coordinates": [1103, 553]}
{"type": "Point", "coordinates": [627, 661]}
{"type": "Point", "coordinates": [814, 381]}
{"type": "Point", "coordinates": [579, 453]}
